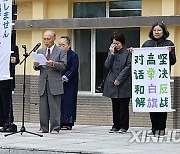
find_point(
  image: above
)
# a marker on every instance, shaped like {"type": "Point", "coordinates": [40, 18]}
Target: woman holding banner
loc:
{"type": "Point", "coordinates": [158, 38]}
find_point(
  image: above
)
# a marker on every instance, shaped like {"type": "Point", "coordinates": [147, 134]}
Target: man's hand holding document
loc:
{"type": "Point", "coordinates": [40, 58]}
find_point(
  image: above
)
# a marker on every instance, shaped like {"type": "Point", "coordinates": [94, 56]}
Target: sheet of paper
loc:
{"type": "Point", "coordinates": [39, 58]}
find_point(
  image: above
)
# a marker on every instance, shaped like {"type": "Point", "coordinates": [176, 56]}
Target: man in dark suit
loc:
{"type": "Point", "coordinates": [6, 88]}
{"type": "Point", "coordinates": [50, 85]}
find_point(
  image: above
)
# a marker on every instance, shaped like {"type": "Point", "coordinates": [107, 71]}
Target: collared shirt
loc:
{"type": "Point", "coordinates": [51, 49]}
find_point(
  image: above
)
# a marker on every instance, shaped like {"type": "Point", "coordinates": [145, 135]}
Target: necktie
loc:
{"type": "Point", "coordinates": [48, 55]}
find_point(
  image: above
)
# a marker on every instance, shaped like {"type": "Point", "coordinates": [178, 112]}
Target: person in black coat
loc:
{"type": "Point", "coordinates": [158, 38]}
{"type": "Point", "coordinates": [70, 83]}
{"type": "Point", "coordinates": [6, 88]}
{"type": "Point", "coordinates": [118, 82]}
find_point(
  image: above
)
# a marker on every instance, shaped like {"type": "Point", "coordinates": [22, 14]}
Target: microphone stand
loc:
{"type": "Point", "coordinates": [23, 129]}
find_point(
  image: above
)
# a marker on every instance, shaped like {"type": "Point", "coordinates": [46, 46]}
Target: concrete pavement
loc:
{"type": "Point", "coordinates": [89, 139]}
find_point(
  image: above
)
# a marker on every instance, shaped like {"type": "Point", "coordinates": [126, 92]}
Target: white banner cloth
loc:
{"type": "Point", "coordinates": [151, 80]}
{"type": "Point", "coordinates": [5, 38]}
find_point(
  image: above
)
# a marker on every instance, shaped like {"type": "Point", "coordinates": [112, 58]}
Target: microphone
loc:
{"type": "Point", "coordinates": [24, 46]}
{"type": "Point", "coordinates": [28, 54]}
{"type": "Point", "coordinates": [36, 47]}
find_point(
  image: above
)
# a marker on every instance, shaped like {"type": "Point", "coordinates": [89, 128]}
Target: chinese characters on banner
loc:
{"type": "Point", "coordinates": [151, 80]}
{"type": "Point", "coordinates": [5, 37]}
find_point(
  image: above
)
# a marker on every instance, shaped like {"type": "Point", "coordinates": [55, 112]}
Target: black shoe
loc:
{"type": "Point", "coordinates": [2, 130]}
{"type": "Point", "coordinates": [122, 131]}
{"type": "Point", "coordinates": [5, 126]}
{"type": "Point", "coordinates": [113, 130]}
{"type": "Point", "coordinates": [9, 128]}
{"type": "Point", "coordinates": [12, 128]}
{"type": "Point", "coordinates": [150, 134]}
{"type": "Point", "coordinates": [66, 128]}
{"type": "Point", "coordinates": [160, 133]}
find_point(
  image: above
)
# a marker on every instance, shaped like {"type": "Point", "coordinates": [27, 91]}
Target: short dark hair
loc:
{"type": "Point", "coordinates": [164, 28]}
{"type": "Point", "coordinates": [67, 39]}
{"type": "Point", "coordinates": [118, 37]}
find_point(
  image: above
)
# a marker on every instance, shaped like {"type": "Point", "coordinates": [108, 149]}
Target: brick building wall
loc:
{"type": "Point", "coordinates": [91, 110]}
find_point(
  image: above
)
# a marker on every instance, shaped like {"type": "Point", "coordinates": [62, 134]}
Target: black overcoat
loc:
{"type": "Point", "coordinates": [119, 66]}
{"type": "Point", "coordinates": [163, 43]}
{"type": "Point", "coordinates": [69, 98]}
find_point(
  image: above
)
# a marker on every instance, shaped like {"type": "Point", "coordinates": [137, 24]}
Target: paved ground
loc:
{"type": "Point", "coordinates": [88, 139]}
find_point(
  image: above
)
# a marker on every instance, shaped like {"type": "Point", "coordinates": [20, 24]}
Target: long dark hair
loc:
{"type": "Point", "coordinates": [164, 28]}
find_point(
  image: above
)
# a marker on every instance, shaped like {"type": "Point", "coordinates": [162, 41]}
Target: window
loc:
{"type": "Point", "coordinates": [125, 8]}
{"type": "Point", "coordinates": [92, 45]}
{"type": "Point", "coordinates": [89, 10]}
{"type": "Point", "coordinates": [83, 49]}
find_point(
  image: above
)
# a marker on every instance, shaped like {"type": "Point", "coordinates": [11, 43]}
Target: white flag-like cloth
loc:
{"type": "Point", "coordinates": [151, 80]}
{"type": "Point", "coordinates": [5, 38]}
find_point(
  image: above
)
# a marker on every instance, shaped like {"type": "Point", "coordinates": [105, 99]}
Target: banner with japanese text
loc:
{"type": "Point", "coordinates": [5, 38]}
{"type": "Point", "coordinates": [151, 80]}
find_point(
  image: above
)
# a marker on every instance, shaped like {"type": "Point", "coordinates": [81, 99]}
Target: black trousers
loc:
{"type": "Point", "coordinates": [5, 102]}
{"type": "Point", "coordinates": [158, 120]}
{"type": "Point", "coordinates": [120, 108]}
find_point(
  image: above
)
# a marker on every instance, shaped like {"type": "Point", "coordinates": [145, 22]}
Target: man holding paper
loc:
{"type": "Point", "coordinates": [39, 58]}
{"type": "Point", "coordinates": [50, 85]}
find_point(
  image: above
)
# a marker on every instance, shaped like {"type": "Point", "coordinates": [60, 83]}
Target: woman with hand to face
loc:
{"type": "Point", "coordinates": [118, 82]}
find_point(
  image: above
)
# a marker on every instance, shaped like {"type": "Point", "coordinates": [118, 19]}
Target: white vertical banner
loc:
{"type": "Point", "coordinates": [151, 80]}
{"type": "Point", "coordinates": [5, 38]}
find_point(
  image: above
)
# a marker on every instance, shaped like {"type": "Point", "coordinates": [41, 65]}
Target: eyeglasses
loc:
{"type": "Point", "coordinates": [157, 30]}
